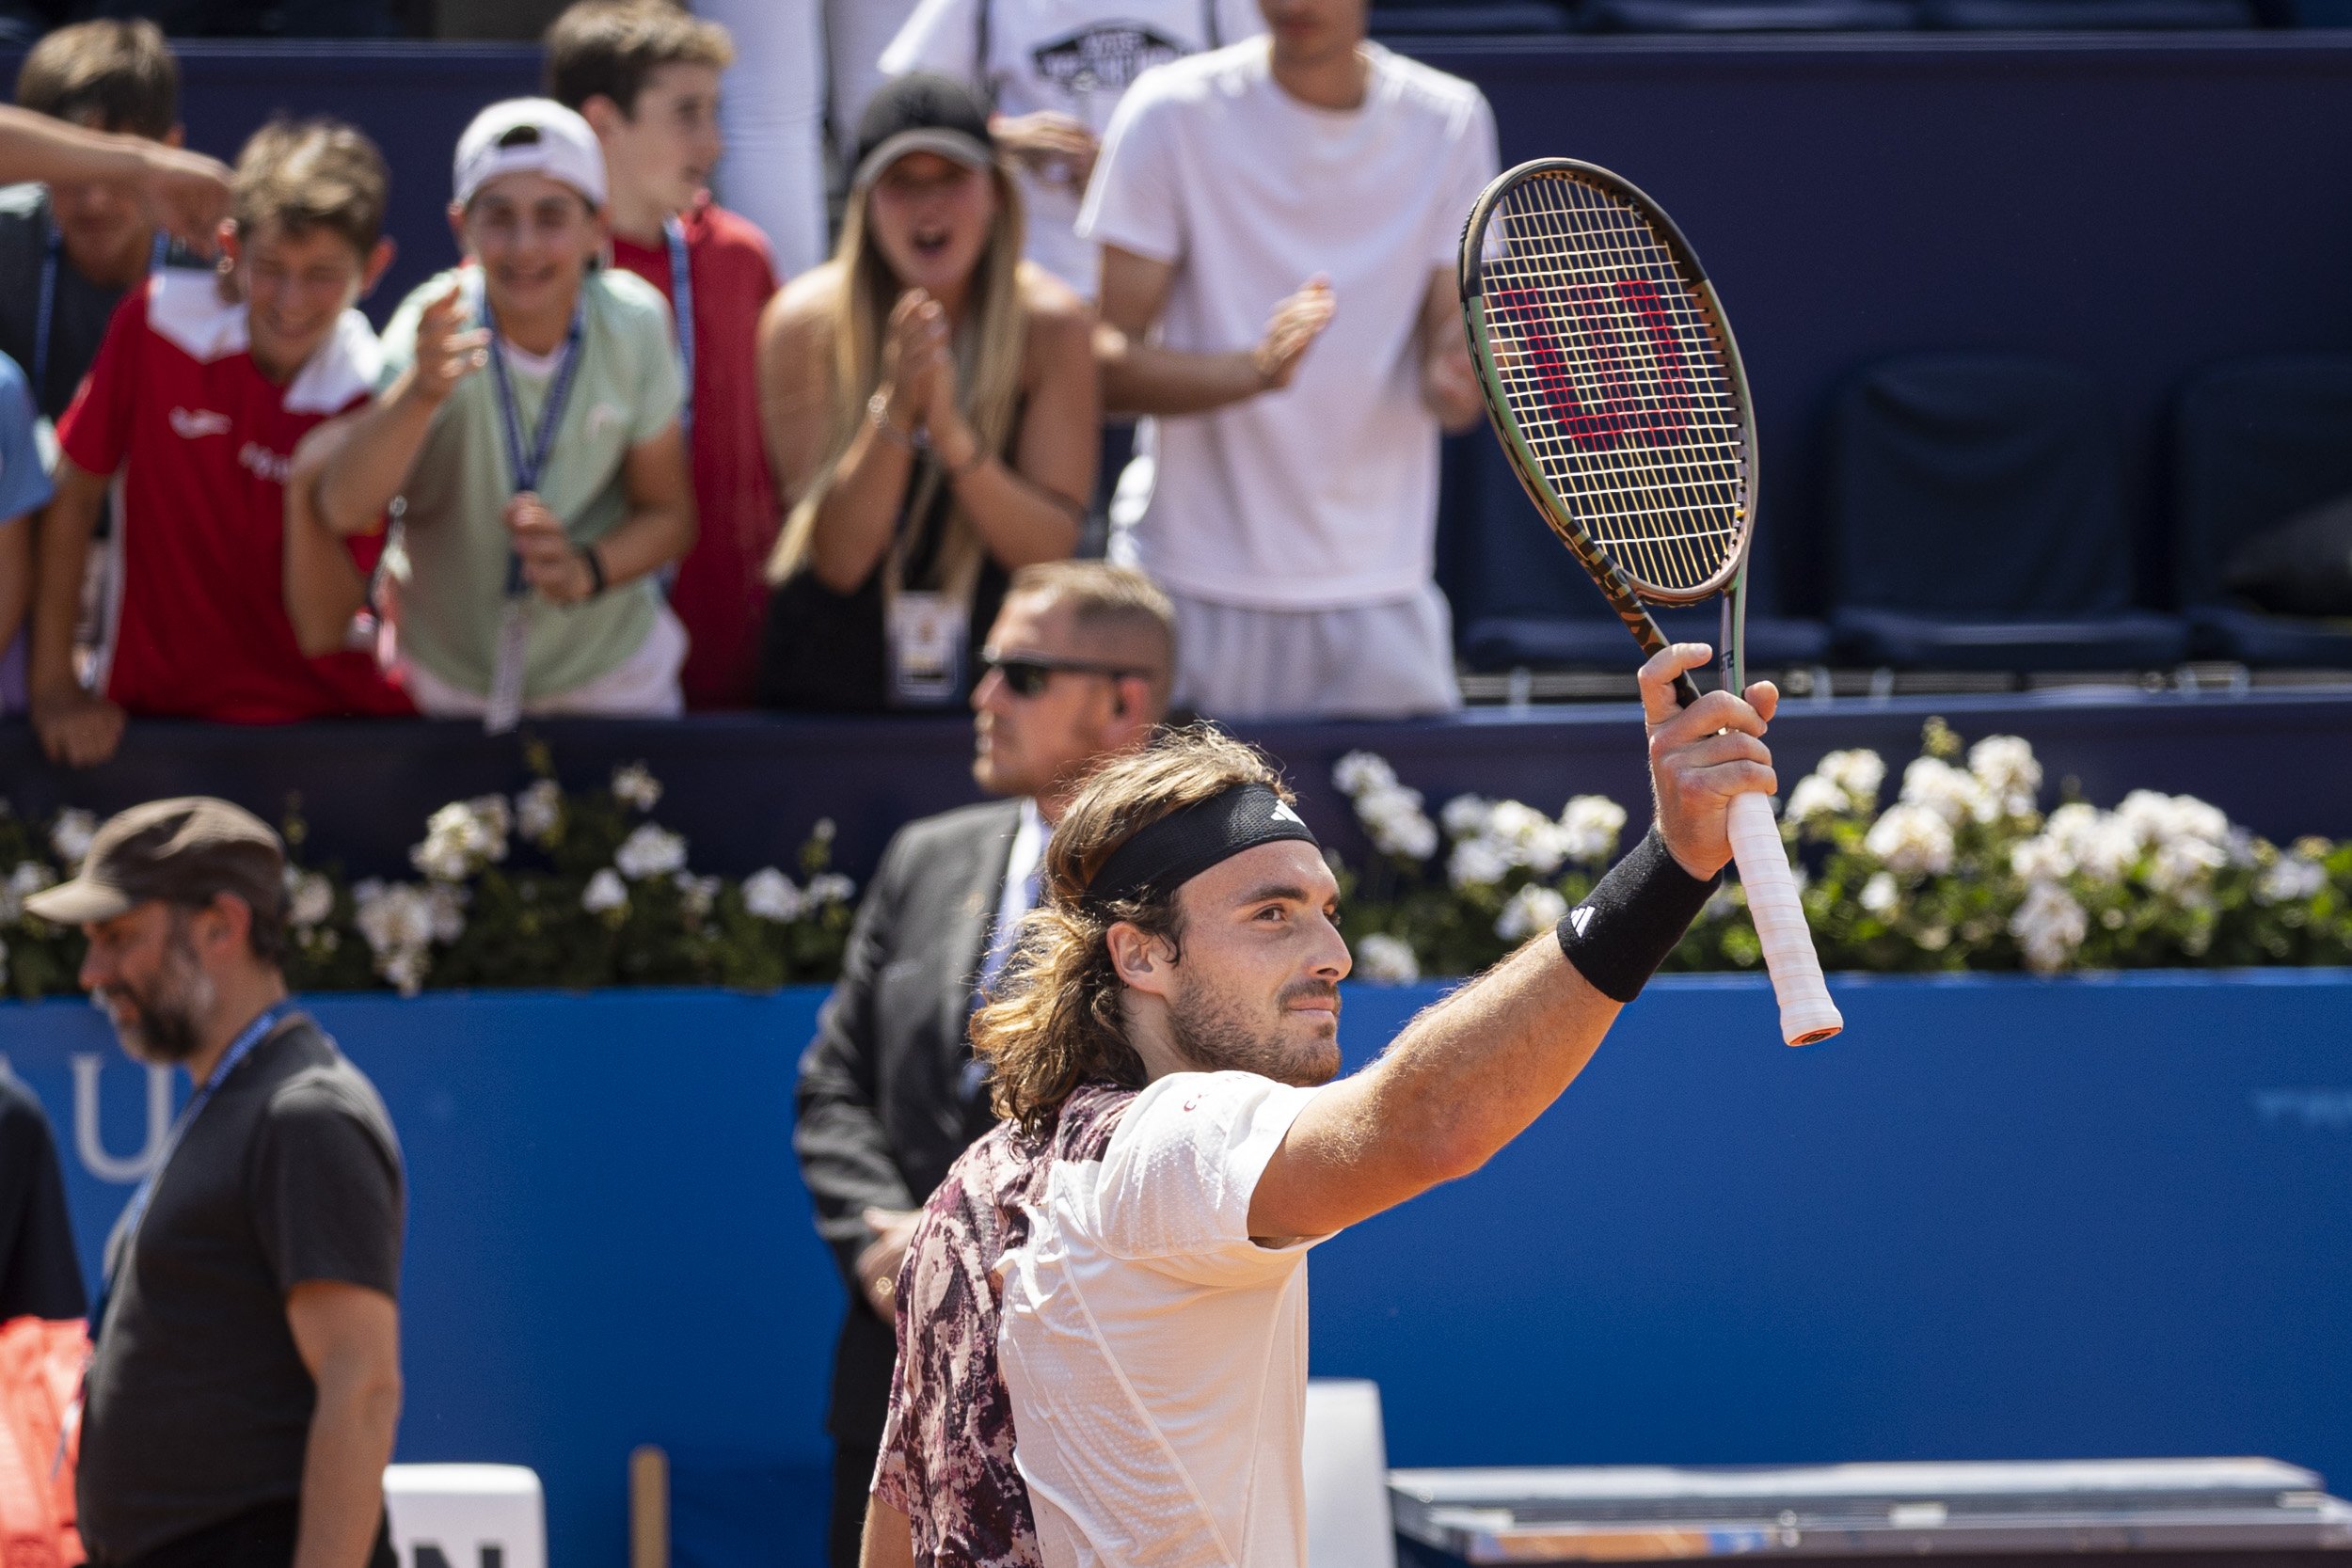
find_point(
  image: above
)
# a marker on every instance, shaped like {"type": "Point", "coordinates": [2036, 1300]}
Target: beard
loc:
{"type": "Point", "coordinates": [161, 1023]}
{"type": "Point", "coordinates": [1218, 1032]}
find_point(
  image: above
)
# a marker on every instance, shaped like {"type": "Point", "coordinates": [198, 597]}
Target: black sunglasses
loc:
{"type": "Point", "coordinates": [1027, 676]}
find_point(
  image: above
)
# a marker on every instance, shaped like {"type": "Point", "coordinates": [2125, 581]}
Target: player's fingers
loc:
{"type": "Point", "coordinates": [1715, 751]}
{"type": "Point", "coordinates": [1657, 678]}
{"type": "Point", "coordinates": [1742, 778]}
{"type": "Point", "coordinates": [1764, 697]}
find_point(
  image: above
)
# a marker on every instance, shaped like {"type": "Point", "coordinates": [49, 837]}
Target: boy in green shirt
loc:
{"type": "Point", "coordinates": [529, 420]}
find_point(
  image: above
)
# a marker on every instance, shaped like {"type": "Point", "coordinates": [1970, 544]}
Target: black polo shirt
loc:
{"type": "Point", "coordinates": [39, 1276]}
{"type": "Point", "coordinates": [198, 1405]}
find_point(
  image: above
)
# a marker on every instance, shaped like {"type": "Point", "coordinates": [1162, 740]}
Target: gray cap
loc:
{"type": "Point", "coordinates": [185, 851]}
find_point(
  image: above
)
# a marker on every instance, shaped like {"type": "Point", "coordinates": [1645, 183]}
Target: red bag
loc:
{"type": "Point", "coordinates": [41, 1388]}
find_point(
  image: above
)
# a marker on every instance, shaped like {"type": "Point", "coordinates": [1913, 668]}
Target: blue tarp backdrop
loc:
{"type": "Point", "coordinates": [1999, 1217]}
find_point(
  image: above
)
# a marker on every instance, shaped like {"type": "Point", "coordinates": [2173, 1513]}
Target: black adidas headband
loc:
{"type": "Point", "coordinates": [1184, 843]}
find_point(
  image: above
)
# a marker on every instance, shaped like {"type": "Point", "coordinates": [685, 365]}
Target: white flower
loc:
{"type": "Point", "coordinates": [1815, 795]}
{"type": "Point", "coordinates": [2290, 879]}
{"type": "Point", "coordinates": [1386, 960]}
{"type": "Point", "coordinates": [2157, 818]}
{"type": "Point", "coordinates": [1535, 908]}
{"type": "Point", "coordinates": [1859, 773]}
{"type": "Point", "coordinates": [405, 969]}
{"type": "Point", "coordinates": [1477, 862]}
{"type": "Point", "coordinates": [822, 832]}
{"type": "Point", "coordinates": [633, 785]}
{"type": "Point", "coordinates": [1722, 903]}
{"type": "Point", "coordinates": [770, 894]}
{"type": "Point", "coordinates": [650, 851]}
{"type": "Point", "coordinates": [605, 892]}
{"type": "Point", "coordinates": [539, 812]}
{"type": "Point", "coordinates": [70, 835]}
{"type": "Point", "coordinates": [829, 887]}
{"type": "Point", "coordinates": [697, 894]}
{"type": "Point", "coordinates": [2102, 846]}
{"type": "Point", "coordinates": [2049, 927]}
{"type": "Point", "coordinates": [1879, 894]}
{"type": "Point", "coordinates": [1359, 772]}
{"type": "Point", "coordinates": [463, 837]}
{"type": "Point", "coordinates": [1392, 817]}
{"type": "Point", "coordinates": [309, 898]}
{"type": "Point", "coordinates": [29, 877]}
{"type": "Point", "coordinates": [2042, 858]}
{"type": "Point", "coordinates": [1464, 816]}
{"type": "Point", "coordinates": [1527, 836]}
{"type": "Point", "coordinates": [1951, 794]}
{"type": "Point", "coordinates": [401, 921]}
{"type": "Point", "coordinates": [1589, 828]}
{"type": "Point", "coordinates": [2004, 765]}
{"type": "Point", "coordinates": [1912, 838]}
{"type": "Point", "coordinates": [2182, 870]}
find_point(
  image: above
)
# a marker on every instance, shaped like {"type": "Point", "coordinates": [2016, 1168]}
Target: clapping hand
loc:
{"type": "Point", "coordinates": [918, 361]}
{"type": "Point", "coordinates": [1053, 146]}
{"type": "Point", "coordinates": [1294, 324]}
{"type": "Point", "coordinates": [552, 564]}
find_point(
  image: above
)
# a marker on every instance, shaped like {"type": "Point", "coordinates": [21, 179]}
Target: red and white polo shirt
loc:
{"type": "Point", "coordinates": [200, 441]}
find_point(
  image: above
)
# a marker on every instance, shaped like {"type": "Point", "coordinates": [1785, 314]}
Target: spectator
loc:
{"type": "Point", "coordinates": [241, 1401]}
{"type": "Point", "coordinates": [199, 394]}
{"type": "Point", "coordinates": [931, 417]}
{"type": "Point", "coordinates": [1080, 661]}
{"type": "Point", "coordinates": [645, 77]}
{"type": "Point", "coordinates": [1054, 70]}
{"type": "Point", "coordinates": [1284, 214]}
{"type": "Point", "coordinates": [68, 252]}
{"type": "Point", "coordinates": [545, 496]}
{"type": "Point", "coordinates": [39, 1276]}
{"type": "Point", "coordinates": [25, 489]}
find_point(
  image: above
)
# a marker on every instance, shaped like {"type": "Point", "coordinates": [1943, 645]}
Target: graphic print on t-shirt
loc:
{"type": "Point", "coordinates": [1103, 57]}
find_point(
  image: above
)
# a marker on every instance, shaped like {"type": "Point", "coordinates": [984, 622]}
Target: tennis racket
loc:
{"type": "Point", "coordinates": [1613, 384]}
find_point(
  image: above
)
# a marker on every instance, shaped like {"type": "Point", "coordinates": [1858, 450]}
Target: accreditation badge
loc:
{"type": "Point", "coordinates": [928, 635]}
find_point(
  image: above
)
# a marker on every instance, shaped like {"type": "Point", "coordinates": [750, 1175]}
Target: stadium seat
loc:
{"type": "Point", "coordinates": [1974, 524]}
{"type": "Point", "coordinates": [466, 1516]}
{"type": "Point", "coordinates": [1520, 600]}
{"type": "Point", "coordinates": [1749, 16]}
{"type": "Point", "coordinates": [1349, 1522]}
{"type": "Point", "coordinates": [1483, 18]}
{"type": "Point", "coordinates": [2085, 15]}
{"type": "Point", "coordinates": [2254, 442]}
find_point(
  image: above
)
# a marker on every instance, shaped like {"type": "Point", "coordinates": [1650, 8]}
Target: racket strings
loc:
{"type": "Point", "coordinates": [1616, 378]}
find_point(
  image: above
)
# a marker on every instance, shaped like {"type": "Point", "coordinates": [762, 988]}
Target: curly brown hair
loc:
{"type": "Point", "coordinates": [1054, 1021]}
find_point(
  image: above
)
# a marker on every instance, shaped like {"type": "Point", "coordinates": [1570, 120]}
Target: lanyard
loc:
{"type": "Point", "coordinates": [682, 309]}
{"type": "Point", "coordinates": [527, 465]}
{"type": "Point", "coordinates": [136, 1213]}
{"type": "Point", "coordinates": [48, 306]}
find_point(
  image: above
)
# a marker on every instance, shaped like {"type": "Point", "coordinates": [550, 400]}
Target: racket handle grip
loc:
{"type": "Point", "coordinates": [1806, 1013]}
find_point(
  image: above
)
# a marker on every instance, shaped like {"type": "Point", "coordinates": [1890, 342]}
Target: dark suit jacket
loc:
{"type": "Point", "coordinates": [882, 1108]}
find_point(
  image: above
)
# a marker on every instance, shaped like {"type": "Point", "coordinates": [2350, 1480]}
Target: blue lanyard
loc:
{"type": "Point", "coordinates": [48, 306]}
{"type": "Point", "coordinates": [527, 466]}
{"type": "Point", "coordinates": [136, 1213]}
{"type": "Point", "coordinates": [682, 309]}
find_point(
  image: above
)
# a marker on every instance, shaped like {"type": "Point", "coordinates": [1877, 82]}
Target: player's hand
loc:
{"type": "Point", "coordinates": [1053, 146]}
{"type": "Point", "coordinates": [448, 351]}
{"type": "Point", "coordinates": [552, 564]}
{"type": "Point", "coordinates": [184, 194]}
{"type": "Point", "coordinates": [877, 1265]}
{"type": "Point", "coordinates": [1702, 756]}
{"type": "Point", "coordinates": [1295, 323]}
{"type": "Point", "coordinates": [916, 357]}
{"type": "Point", "coordinates": [77, 727]}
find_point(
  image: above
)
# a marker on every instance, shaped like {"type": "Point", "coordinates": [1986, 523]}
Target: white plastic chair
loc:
{"type": "Point", "coordinates": [1348, 1519]}
{"type": "Point", "coordinates": [466, 1516]}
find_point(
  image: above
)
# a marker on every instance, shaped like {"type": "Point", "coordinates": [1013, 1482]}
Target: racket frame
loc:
{"type": "Point", "coordinates": [1627, 596]}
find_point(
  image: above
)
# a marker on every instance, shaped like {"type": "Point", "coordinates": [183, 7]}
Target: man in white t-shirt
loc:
{"type": "Point", "coordinates": [1279, 223]}
{"type": "Point", "coordinates": [1054, 70]}
{"type": "Point", "coordinates": [1102, 1313]}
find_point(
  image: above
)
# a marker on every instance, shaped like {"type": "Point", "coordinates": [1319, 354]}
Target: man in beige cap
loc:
{"type": "Point", "coordinates": [246, 1383]}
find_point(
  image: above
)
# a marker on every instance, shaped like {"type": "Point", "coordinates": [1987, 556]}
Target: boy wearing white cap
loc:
{"type": "Point", "coordinates": [529, 420]}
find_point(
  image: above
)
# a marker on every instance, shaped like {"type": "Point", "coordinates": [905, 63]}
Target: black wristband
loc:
{"type": "Point", "coordinates": [1633, 918]}
{"type": "Point", "coordinates": [596, 569]}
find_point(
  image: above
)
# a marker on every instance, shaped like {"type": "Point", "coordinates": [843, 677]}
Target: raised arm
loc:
{"type": "Point", "coordinates": [368, 467]}
{"type": "Point", "coordinates": [1143, 377]}
{"type": "Point", "coordinates": [1470, 1073]}
{"type": "Point", "coordinates": [186, 193]}
{"type": "Point", "coordinates": [77, 726]}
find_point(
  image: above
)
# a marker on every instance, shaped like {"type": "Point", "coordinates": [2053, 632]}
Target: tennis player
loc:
{"type": "Point", "coordinates": [1103, 1315]}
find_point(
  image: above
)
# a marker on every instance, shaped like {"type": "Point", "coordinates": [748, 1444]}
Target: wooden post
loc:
{"type": "Point", "coordinates": [649, 1508]}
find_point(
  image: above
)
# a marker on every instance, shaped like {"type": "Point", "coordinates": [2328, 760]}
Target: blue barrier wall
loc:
{"type": "Point", "coordinates": [1997, 1218]}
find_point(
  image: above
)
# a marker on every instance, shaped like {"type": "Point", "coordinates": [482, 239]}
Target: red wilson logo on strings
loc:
{"type": "Point", "coordinates": [1631, 382]}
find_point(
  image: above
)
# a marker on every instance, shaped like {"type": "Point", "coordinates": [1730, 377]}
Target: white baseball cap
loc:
{"type": "Point", "coordinates": [530, 136]}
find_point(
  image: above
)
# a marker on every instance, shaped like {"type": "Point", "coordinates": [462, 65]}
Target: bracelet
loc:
{"type": "Point", "coordinates": [596, 569]}
{"type": "Point", "coordinates": [877, 411]}
{"type": "Point", "coordinates": [1633, 918]}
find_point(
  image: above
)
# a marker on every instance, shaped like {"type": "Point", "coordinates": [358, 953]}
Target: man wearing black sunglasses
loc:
{"type": "Point", "coordinates": [1076, 668]}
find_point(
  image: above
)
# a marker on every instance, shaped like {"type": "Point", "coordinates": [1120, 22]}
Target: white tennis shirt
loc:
{"type": "Point", "coordinates": [1156, 1356]}
{"type": "Point", "coordinates": [1324, 493]}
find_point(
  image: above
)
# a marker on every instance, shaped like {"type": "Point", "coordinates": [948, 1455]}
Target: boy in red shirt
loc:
{"type": "Point", "coordinates": [645, 75]}
{"type": "Point", "coordinates": [200, 393]}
